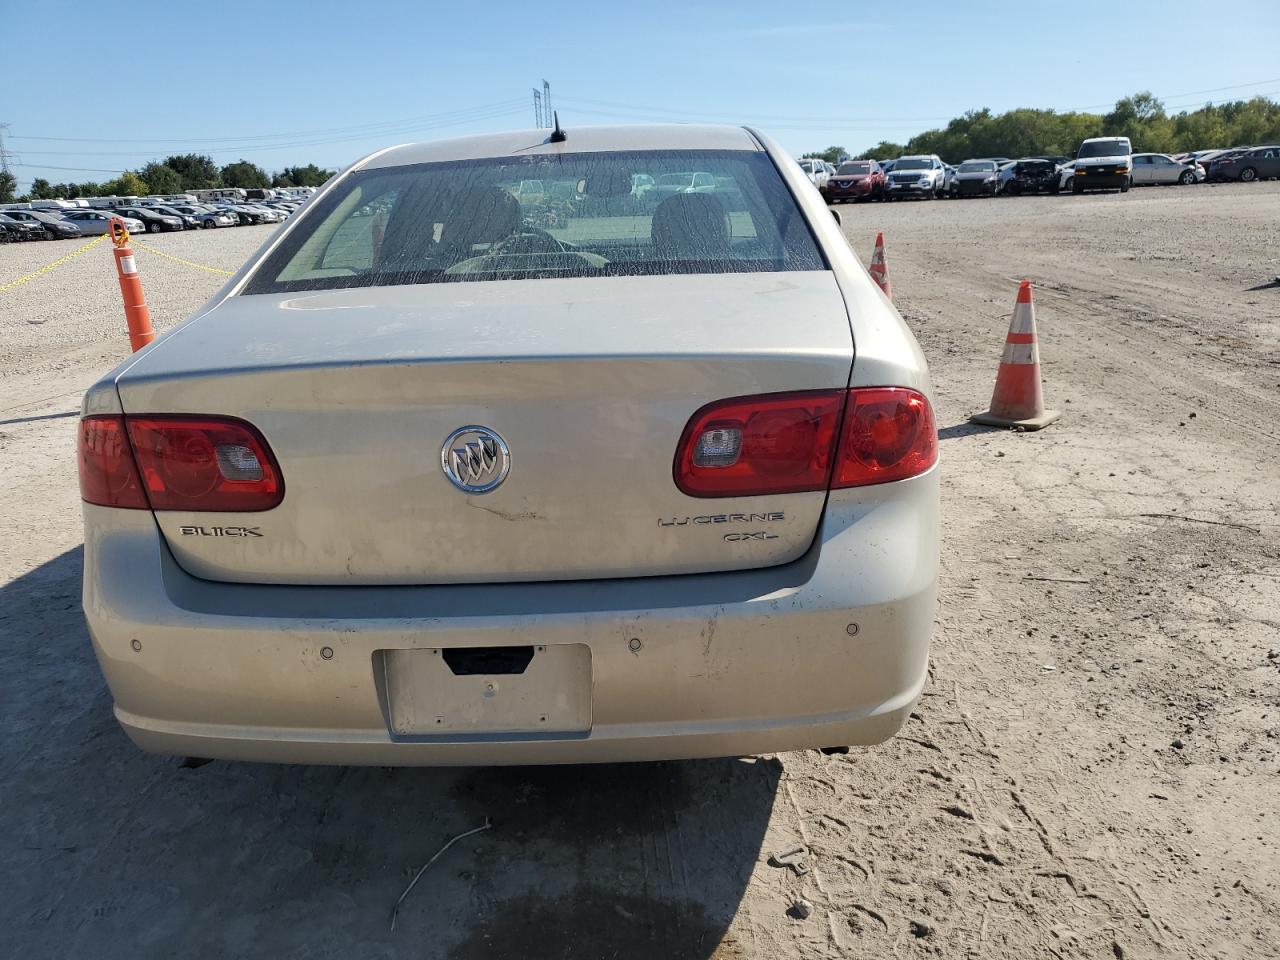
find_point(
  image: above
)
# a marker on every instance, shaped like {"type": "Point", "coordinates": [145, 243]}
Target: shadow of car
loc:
{"type": "Point", "coordinates": [648, 859]}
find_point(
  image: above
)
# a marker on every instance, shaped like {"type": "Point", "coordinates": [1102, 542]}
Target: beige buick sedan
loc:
{"type": "Point", "coordinates": [456, 473]}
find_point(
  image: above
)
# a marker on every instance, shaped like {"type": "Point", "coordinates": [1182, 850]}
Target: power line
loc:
{"type": "Point", "coordinates": [251, 140]}
{"type": "Point", "coordinates": [42, 166]}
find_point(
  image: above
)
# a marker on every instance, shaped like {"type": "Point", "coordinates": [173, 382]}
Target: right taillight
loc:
{"type": "Point", "coordinates": [108, 475]}
{"type": "Point", "coordinates": [888, 434]}
{"type": "Point", "coordinates": [797, 442]}
{"type": "Point", "coordinates": [201, 464]}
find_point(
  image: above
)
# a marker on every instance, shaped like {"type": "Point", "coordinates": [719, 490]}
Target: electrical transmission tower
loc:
{"type": "Point", "coordinates": [546, 104]}
{"type": "Point", "coordinates": [537, 108]}
{"type": "Point", "coordinates": [5, 155]}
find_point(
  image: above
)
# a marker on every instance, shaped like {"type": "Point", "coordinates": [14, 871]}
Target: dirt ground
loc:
{"type": "Point", "coordinates": [1092, 771]}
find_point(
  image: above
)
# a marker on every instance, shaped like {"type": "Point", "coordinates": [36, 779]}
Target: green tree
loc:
{"type": "Point", "coordinates": [128, 184]}
{"type": "Point", "coordinates": [161, 178]}
{"type": "Point", "coordinates": [831, 154]}
{"type": "Point", "coordinates": [197, 171]}
{"type": "Point", "coordinates": [8, 186]}
{"type": "Point", "coordinates": [42, 189]}
{"type": "Point", "coordinates": [245, 174]}
{"type": "Point", "coordinates": [884, 150]}
{"type": "Point", "coordinates": [308, 176]}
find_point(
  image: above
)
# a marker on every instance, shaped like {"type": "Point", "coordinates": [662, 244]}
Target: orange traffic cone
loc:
{"type": "Point", "coordinates": [878, 270]}
{"type": "Point", "coordinates": [1018, 400]}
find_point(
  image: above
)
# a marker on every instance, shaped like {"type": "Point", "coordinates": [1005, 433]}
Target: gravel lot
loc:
{"type": "Point", "coordinates": [1092, 772]}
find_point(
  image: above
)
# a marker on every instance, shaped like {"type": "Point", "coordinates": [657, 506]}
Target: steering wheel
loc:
{"type": "Point", "coordinates": [530, 239]}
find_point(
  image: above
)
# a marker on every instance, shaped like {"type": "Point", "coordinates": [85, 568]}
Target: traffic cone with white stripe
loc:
{"type": "Point", "coordinates": [879, 270]}
{"type": "Point", "coordinates": [1018, 399]}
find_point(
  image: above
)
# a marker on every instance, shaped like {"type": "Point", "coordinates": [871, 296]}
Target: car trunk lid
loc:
{"type": "Point", "coordinates": [589, 381]}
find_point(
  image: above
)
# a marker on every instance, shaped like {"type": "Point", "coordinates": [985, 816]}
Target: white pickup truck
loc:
{"type": "Point", "coordinates": [818, 171]}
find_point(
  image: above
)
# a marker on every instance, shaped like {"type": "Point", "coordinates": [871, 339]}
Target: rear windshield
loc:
{"type": "Point", "coordinates": [846, 169]}
{"type": "Point", "coordinates": [591, 214]}
{"type": "Point", "coordinates": [1103, 148]}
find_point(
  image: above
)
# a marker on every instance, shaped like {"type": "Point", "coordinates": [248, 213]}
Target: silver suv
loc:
{"type": "Point", "coordinates": [919, 176]}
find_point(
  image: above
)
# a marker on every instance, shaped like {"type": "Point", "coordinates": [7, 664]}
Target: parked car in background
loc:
{"type": "Point", "coordinates": [92, 222]}
{"type": "Point", "coordinates": [1031, 175]}
{"type": "Point", "coordinates": [949, 175]}
{"type": "Point", "coordinates": [1201, 157]}
{"type": "Point", "coordinates": [1216, 167]}
{"type": "Point", "coordinates": [1256, 163]}
{"type": "Point", "coordinates": [917, 176]}
{"type": "Point", "coordinates": [669, 184]}
{"type": "Point", "coordinates": [1005, 174]}
{"type": "Point", "coordinates": [51, 225]}
{"type": "Point", "coordinates": [268, 215]}
{"type": "Point", "coordinates": [155, 222]}
{"type": "Point", "coordinates": [887, 166]}
{"type": "Point", "coordinates": [247, 214]}
{"type": "Point", "coordinates": [816, 171]}
{"type": "Point", "coordinates": [976, 178]}
{"type": "Point", "coordinates": [763, 474]}
{"type": "Point", "coordinates": [21, 229]}
{"type": "Point", "coordinates": [208, 217]}
{"type": "Point", "coordinates": [1067, 175]}
{"type": "Point", "coordinates": [1150, 169]}
{"type": "Point", "coordinates": [1103, 163]}
{"type": "Point", "coordinates": [856, 180]}
{"type": "Point", "coordinates": [189, 220]}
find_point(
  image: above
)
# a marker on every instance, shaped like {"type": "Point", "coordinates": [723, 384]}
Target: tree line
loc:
{"type": "Point", "coordinates": [176, 174]}
{"type": "Point", "coordinates": [1142, 118]}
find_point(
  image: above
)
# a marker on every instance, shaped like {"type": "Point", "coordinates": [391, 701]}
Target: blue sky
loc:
{"type": "Point", "coordinates": [283, 83]}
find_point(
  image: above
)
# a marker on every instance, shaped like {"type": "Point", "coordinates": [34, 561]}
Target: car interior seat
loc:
{"type": "Point", "coordinates": [690, 226]}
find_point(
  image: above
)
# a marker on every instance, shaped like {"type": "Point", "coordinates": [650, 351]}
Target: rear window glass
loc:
{"type": "Point", "coordinates": [572, 215]}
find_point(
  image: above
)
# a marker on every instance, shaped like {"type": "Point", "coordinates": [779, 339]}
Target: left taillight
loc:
{"type": "Point", "coordinates": [201, 464]}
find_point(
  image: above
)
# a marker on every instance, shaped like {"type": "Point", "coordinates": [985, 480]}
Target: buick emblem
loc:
{"type": "Point", "coordinates": [475, 459]}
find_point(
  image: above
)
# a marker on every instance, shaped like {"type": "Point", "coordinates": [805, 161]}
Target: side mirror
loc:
{"type": "Point", "coordinates": [839, 219]}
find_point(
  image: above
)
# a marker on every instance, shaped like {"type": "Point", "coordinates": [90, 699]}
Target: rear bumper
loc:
{"type": "Point", "coordinates": [831, 649]}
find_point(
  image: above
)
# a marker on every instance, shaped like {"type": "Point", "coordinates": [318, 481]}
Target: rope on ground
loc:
{"type": "Point", "coordinates": [13, 284]}
{"type": "Point", "coordinates": [189, 263]}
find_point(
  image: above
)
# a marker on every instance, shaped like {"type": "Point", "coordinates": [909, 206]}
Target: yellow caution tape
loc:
{"type": "Point", "coordinates": [12, 284]}
{"type": "Point", "coordinates": [189, 263]}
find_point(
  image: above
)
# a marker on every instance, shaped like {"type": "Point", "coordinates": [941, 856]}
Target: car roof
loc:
{"type": "Point", "coordinates": [524, 143]}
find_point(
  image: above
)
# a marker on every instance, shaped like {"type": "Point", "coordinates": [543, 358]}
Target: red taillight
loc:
{"type": "Point", "coordinates": [888, 434]}
{"type": "Point", "coordinates": [202, 464]}
{"type": "Point", "coordinates": [777, 443]}
{"type": "Point", "coordinates": [787, 442]}
{"type": "Point", "coordinates": [108, 475]}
